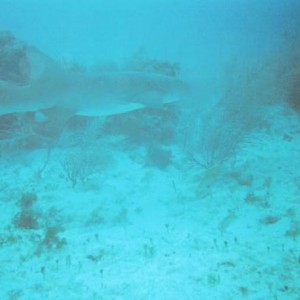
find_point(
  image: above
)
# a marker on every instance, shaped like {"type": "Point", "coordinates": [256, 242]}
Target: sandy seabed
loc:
{"type": "Point", "coordinates": [130, 230]}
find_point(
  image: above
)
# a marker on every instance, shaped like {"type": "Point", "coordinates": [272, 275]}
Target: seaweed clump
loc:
{"type": "Point", "coordinates": [27, 218]}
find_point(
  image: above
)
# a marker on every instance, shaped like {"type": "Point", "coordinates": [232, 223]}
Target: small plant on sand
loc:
{"type": "Point", "coordinates": [51, 240]}
{"type": "Point", "coordinates": [28, 217]}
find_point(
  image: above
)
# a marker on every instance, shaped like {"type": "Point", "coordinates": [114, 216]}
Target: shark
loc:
{"type": "Point", "coordinates": [86, 93]}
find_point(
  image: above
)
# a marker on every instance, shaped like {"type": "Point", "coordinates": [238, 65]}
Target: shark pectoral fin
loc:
{"type": "Point", "coordinates": [155, 102]}
{"type": "Point", "coordinates": [149, 99]}
{"type": "Point", "coordinates": [52, 114]}
{"type": "Point", "coordinates": [40, 117]}
{"type": "Point", "coordinates": [107, 110]}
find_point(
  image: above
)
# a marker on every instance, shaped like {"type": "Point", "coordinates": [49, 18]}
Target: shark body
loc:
{"type": "Point", "coordinates": [87, 93]}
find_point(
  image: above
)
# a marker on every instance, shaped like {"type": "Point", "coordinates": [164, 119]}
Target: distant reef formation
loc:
{"type": "Point", "coordinates": [14, 64]}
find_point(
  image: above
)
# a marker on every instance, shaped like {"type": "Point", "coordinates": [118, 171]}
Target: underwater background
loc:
{"type": "Point", "coordinates": [150, 149]}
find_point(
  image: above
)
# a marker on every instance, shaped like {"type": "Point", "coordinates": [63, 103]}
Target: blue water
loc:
{"type": "Point", "coordinates": [185, 30]}
{"type": "Point", "coordinates": [191, 192]}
